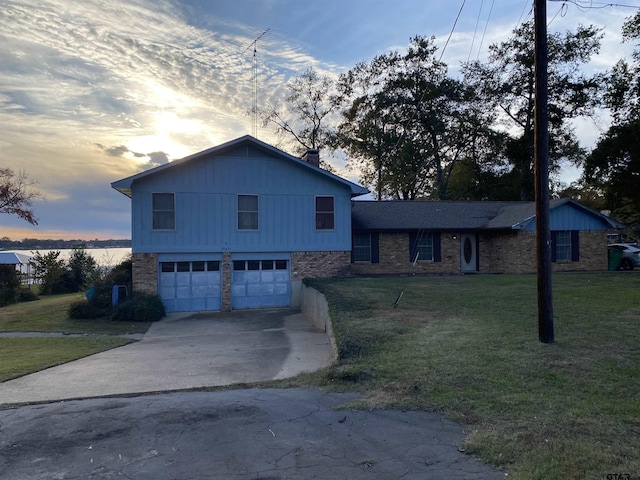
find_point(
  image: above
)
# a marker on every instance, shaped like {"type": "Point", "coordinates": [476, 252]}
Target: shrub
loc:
{"type": "Point", "coordinates": [121, 274]}
{"type": "Point", "coordinates": [84, 309]}
{"type": "Point", "coordinates": [9, 285]}
{"type": "Point", "coordinates": [26, 295]}
{"type": "Point", "coordinates": [139, 307]}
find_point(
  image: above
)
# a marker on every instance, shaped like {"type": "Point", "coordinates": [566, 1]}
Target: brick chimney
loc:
{"type": "Point", "coordinates": [312, 156]}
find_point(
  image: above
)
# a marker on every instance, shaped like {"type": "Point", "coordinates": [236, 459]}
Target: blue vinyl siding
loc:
{"type": "Point", "coordinates": [206, 206]}
{"type": "Point", "coordinates": [568, 217]}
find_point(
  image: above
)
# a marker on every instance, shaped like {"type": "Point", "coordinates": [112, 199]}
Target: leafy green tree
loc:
{"type": "Point", "coordinates": [84, 268]}
{"type": "Point", "coordinates": [367, 132]}
{"type": "Point", "coordinates": [48, 268]}
{"type": "Point", "coordinates": [613, 166]}
{"type": "Point", "coordinates": [406, 122]}
{"type": "Point", "coordinates": [506, 84]}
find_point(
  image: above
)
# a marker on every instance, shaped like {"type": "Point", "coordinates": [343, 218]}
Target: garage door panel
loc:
{"type": "Point", "coordinates": [260, 283]}
{"type": "Point", "coordinates": [281, 276]}
{"type": "Point", "coordinates": [188, 287]}
{"type": "Point", "coordinates": [280, 288]}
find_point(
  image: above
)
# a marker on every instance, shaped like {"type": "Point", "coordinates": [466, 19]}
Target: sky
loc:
{"type": "Point", "coordinates": [93, 91]}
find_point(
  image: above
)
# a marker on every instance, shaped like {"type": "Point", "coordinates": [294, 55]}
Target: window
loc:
{"type": "Point", "coordinates": [164, 213]}
{"type": "Point", "coordinates": [361, 247]}
{"type": "Point", "coordinates": [424, 248]}
{"type": "Point", "coordinates": [563, 246]}
{"type": "Point", "coordinates": [324, 213]}
{"type": "Point", "coordinates": [247, 212]}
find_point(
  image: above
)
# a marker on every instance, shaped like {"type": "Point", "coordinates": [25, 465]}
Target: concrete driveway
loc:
{"type": "Point", "coordinates": [186, 351]}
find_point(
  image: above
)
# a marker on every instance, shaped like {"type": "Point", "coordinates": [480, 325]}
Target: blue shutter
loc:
{"type": "Point", "coordinates": [575, 245]}
{"type": "Point", "coordinates": [554, 238]}
{"type": "Point", "coordinates": [375, 248]}
{"type": "Point", "coordinates": [437, 257]}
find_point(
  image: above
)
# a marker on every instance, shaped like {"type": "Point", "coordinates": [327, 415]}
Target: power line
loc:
{"type": "Point", "coordinates": [473, 40]}
{"type": "Point", "coordinates": [485, 29]}
{"type": "Point", "coordinates": [586, 5]}
{"type": "Point", "coordinates": [562, 11]}
{"type": "Point", "coordinates": [452, 29]}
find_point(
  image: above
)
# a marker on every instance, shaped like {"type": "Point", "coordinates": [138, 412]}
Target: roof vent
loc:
{"type": "Point", "coordinates": [312, 156]}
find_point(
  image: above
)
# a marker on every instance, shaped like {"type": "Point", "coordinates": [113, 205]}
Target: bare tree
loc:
{"type": "Point", "coordinates": [306, 119]}
{"type": "Point", "coordinates": [17, 195]}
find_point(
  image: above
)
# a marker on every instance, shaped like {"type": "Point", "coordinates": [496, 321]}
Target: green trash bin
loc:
{"type": "Point", "coordinates": [615, 257]}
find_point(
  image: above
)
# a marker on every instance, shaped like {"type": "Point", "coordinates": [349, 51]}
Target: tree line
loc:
{"type": "Point", "coordinates": [416, 132]}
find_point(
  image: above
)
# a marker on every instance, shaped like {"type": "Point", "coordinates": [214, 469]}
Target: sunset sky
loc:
{"type": "Point", "coordinates": [92, 91]}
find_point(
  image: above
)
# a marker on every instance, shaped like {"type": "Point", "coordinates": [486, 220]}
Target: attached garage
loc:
{"type": "Point", "coordinates": [190, 286]}
{"type": "Point", "coordinates": [258, 283]}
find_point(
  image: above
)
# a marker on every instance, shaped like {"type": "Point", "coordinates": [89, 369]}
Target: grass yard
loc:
{"type": "Point", "coordinates": [20, 356]}
{"type": "Point", "coordinates": [49, 314]}
{"type": "Point", "coordinates": [468, 346]}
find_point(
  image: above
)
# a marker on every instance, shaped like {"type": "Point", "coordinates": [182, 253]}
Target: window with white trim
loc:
{"type": "Point", "coordinates": [324, 213]}
{"type": "Point", "coordinates": [164, 211]}
{"type": "Point", "coordinates": [247, 212]}
{"type": "Point", "coordinates": [563, 246]}
{"type": "Point", "coordinates": [362, 247]}
{"type": "Point", "coordinates": [424, 248]}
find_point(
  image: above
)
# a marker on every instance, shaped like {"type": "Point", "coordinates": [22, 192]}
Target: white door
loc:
{"type": "Point", "coordinates": [468, 253]}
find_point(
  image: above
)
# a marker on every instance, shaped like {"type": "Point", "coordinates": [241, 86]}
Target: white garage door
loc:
{"type": "Point", "coordinates": [260, 284]}
{"type": "Point", "coordinates": [190, 286]}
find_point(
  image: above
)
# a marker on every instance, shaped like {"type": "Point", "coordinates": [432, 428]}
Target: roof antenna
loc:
{"type": "Point", "coordinates": [254, 105]}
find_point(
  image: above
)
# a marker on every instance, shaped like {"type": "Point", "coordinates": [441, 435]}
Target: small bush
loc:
{"type": "Point", "coordinates": [26, 295]}
{"type": "Point", "coordinates": [9, 285]}
{"type": "Point", "coordinates": [83, 309]}
{"type": "Point", "coordinates": [139, 307]}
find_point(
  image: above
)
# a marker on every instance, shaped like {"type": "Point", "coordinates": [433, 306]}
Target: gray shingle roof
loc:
{"type": "Point", "coordinates": [449, 215]}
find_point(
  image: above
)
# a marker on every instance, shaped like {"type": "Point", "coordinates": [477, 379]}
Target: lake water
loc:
{"type": "Point", "coordinates": [105, 257]}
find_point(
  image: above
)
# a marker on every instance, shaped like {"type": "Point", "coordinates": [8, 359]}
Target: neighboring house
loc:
{"type": "Point", "coordinates": [20, 261]}
{"type": "Point", "coordinates": [466, 237]}
{"type": "Point", "coordinates": [237, 226]}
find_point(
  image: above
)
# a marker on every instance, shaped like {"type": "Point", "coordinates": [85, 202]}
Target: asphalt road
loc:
{"type": "Point", "coordinates": [238, 434]}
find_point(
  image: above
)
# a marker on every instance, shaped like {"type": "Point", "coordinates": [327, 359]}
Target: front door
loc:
{"type": "Point", "coordinates": [468, 253]}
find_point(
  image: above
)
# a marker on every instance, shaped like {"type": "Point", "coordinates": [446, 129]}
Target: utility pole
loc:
{"type": "Point", "coordinates": [541, 160]}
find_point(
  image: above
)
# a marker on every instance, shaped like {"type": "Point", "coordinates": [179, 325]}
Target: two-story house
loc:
{"type": "Point", "coordinates": [237, 226]}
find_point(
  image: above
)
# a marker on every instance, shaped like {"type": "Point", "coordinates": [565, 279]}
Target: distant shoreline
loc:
{"type": "Point", "coordinates": [44, 244]}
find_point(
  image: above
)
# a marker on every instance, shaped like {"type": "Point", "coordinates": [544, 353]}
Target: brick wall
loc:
{"type": "Point", "coordinates": [394, 257]}
{"type": "Point", "coordinates": [319, 264]}
{"type": "Point", "coordinates": [226, 282]}
{"type": "Point", "coordinates": [516, 253]}
{"type": "Point", "coordinates": [145, 273]}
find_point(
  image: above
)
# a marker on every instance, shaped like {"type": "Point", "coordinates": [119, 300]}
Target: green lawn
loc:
{"type": "Point", "coordinates": [49, 314]}
{"type": "Point", "coordinates": [20, 356]}
{"type": "Point", "coordinates": [468, 346]}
